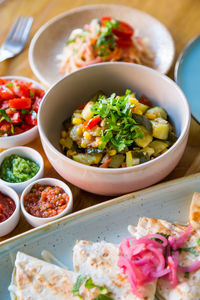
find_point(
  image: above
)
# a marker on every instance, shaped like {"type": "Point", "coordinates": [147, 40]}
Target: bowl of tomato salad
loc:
{"type": "Point", "coordinates": [45, 200]}
{"type": "Point", "coordinates": [20, 98]}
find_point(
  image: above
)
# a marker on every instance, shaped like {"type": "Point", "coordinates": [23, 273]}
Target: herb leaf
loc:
{"type": "Point", "coordinates": [186, 275]}
{"type": "Point", "coordinates": [76, 286]}
{"type": "Point", "coordinates": [120, 129]}
{"type": "Point", "coordinates": [189, 249]}
{"type": "Point", "coordinates": [103, 297]}
{"type": "Point", "coordinates": [198, 242]}
{"type": "Point", "coordinates": [90, 285]}
{"type": "Point", "coordinates": [4, 116]}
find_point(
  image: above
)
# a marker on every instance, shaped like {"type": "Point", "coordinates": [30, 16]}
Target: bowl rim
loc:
{"type": "Point", "coordinates": [80, 9]}
{"type": "Point", "coordinates": [33, 129]}
{"type": "Point", "coordinates": [41, 180]}
{"type": "Point", "coordinates": [6, 188]}
{"type": "Point", "coordinates": [183, 133]}
{"type": "Point", "coordinates": [30, 150]}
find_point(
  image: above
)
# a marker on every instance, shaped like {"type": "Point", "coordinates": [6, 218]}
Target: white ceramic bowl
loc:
{"type": "Point", "coordinates": [8, 225]}
{"type": "Point", "coordinates": [50, 39]}
{"type": "Point", "coordinates": [26, 152]}
{"type": "Point", "coordinates": [36, 221]}
{"type": "Point", "coordinates": [27, 136]}
{"type": "Point", "coordinates": [78, 88]}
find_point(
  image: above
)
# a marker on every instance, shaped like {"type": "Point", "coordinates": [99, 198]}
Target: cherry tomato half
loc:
{"type": "Point", "coordinates": [124, 43]}
{"type": "Point", "coordinates": [124, 30]}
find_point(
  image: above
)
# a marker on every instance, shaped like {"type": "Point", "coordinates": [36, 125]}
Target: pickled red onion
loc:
{"type": "Point", "coordinates": [146, 259]}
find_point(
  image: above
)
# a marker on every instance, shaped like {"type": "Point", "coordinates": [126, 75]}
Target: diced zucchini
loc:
{"type": "Point", "coordinates": [142, 107]}
{"type": "Point", "coordinates": [76, 132]}
{"type": "Point", "coordinates": [116, 161]}
{"type": "Point", "coordinates": [129, 159]}
{"type": "Point", "coordinates": [171, 138]}
{"type": "Point", "coordinates": [87, 114]}
{"type": "Point", "coordinates": [88, 159]}
{"type": "Point", "coordinates": [143, 121]}
{"type": "Point", "coordinates": [160, 128]}
{"type": "Point", "coordinates": [150, 151]}
{"type": "Point", "coordinates": [146, 140]}
{"type": "Point", "coordinates": [158, 111]}
{"type": "Point", "coordinates": [142, 156]}
{"type": "Point", "coordinates": [158, 146]}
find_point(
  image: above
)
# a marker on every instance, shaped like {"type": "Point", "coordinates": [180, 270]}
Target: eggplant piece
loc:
{"type": "Point", "coordinates": [142, 120]}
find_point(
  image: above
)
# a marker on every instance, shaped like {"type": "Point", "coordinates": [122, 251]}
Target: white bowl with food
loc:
{"type": "Point", "coordinates": [55, 50]}
{"type": "Point", "coordinates": [10, 209]}
{"type": "Point", "coordinates": [46, 200]}
{"type": "Point", "coordinates": [21, 97]}
{"type": "Point", "coordinates": [19, 166]}
{"type": "Point", "coordinates": [77, 89]}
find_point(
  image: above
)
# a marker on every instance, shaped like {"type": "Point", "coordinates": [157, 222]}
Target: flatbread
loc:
{"type": "Point", "coordinates": [188, 288]}
{"type": "Point", "coordinates": [99, 261]}
{"type": "Point", "coordinates": [35, 279]}
{"type": "Point", "coordinates": [194, 215]}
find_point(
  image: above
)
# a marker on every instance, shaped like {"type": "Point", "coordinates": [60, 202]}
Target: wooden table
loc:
{"type": "Point", "coordinates": [181, 17]}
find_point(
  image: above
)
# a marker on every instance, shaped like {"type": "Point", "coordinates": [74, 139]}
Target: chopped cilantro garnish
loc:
{"type": "Point", "coordinates": [121, 129]}
{"type": "Point", "coordinates": [189, 249]}
{"type": "Point", "coordinates": [4, 116]}
{"type": "Point", "coordinates": [198, 242]}
{"type": "Point", "coordinates": [78, 283]}
{"type": "Point", "coordinates": [163, 234]}
{"type": "Point", "coordinates": [9, 84]}
{"type": "Point", "coordinates": [24, 111]}
{"type": "Point", "coordinates": [31, 94]}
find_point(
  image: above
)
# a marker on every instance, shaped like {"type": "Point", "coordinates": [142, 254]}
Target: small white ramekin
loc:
{"type": "Point", "coordinates": [8, 225]}
{"type": "Point", "coordinates": [36, 221]}
{"type": "Point", "coordinates": [26, 152]}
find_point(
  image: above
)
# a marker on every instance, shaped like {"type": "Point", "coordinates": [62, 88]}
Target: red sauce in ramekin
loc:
{"type": "Point", "coordinates": [7, 207]}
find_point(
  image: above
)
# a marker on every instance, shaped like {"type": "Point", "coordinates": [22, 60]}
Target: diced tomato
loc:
{"type": "Point", "coordinates": [6, 93]}
{"type": "Point", "coordinates": [144, 100]}
{"type": "Point", "coordinates": [38, 92]}
{"type": "Point", "coordinates": [36, 104]}
{"type": "Point", "coordinates": [31, 119]}
{"type": "Point", "coordinates": [22, 89]}
{"type": "Point", "coordinates": [2, 81]}
{"type": "Point", "coordinates": [15, 116]}
{"type": "Point", "coordinates": [25, 127]}
{"type": "Point", "coordinates": [124, 43]}
{"type": "Point", "coordinates": [18, 130]}
{"type": "Point", "coordinates": [5, 126]}
{"type": "Point", "coordinates": [20, 103]}
{"type": "Point", "coordinates": [92, 122]}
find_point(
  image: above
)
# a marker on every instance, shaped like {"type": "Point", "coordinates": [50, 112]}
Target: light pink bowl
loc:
{"type": "Point", "coordinates": [67, 94]}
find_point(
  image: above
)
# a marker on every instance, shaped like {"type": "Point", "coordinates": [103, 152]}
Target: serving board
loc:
{"type": "Point", "coordinates": [106, 221]}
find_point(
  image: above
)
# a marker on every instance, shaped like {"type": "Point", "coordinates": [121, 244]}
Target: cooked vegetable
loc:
{"type": "Point", "coordinates": [160, 128]}
{"type": "Point", "coordinates": [113, 132]}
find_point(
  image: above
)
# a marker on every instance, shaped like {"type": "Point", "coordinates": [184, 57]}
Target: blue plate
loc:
{"type": "Point", "coordinates": [187, 75]}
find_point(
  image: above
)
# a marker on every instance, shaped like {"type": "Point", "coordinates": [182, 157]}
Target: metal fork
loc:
{"type": "Point", "coordinates": [17, 38]}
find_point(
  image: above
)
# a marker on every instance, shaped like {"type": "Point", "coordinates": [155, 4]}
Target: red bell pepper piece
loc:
{"type": "Point", "coordinates": [20, 103]}
{"type": "Point", "coordinates": [144, 100]}
{"type": "Point", "coordinates": [92, 122]}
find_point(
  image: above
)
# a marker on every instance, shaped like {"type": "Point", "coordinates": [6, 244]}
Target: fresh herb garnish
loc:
{"type": "Point", "coordinates": [189, 249]}
{"type": "Point", "coordinates": [186, 275]}
{"type": "Point", "coordinates": [76, 286]}
{"type": "Point", "coordinates": [90, 285]}
{"type": "Point", "coordinates": [4, 116]}
{"type": "Point", "coordinates": [31, 94]}
{"type": "Point", "coordinates": [103, 297]}
{"type": "Point", "coordinates": [198, 242]}
{"type": "Point", "coordinates": [9, 84]}
{"type": "Point", "coordinates": [24, 111]}
{"type": "Point", "coordinates": [121, 129]}
{"type": "Point", "coordinates": [106, 41]}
